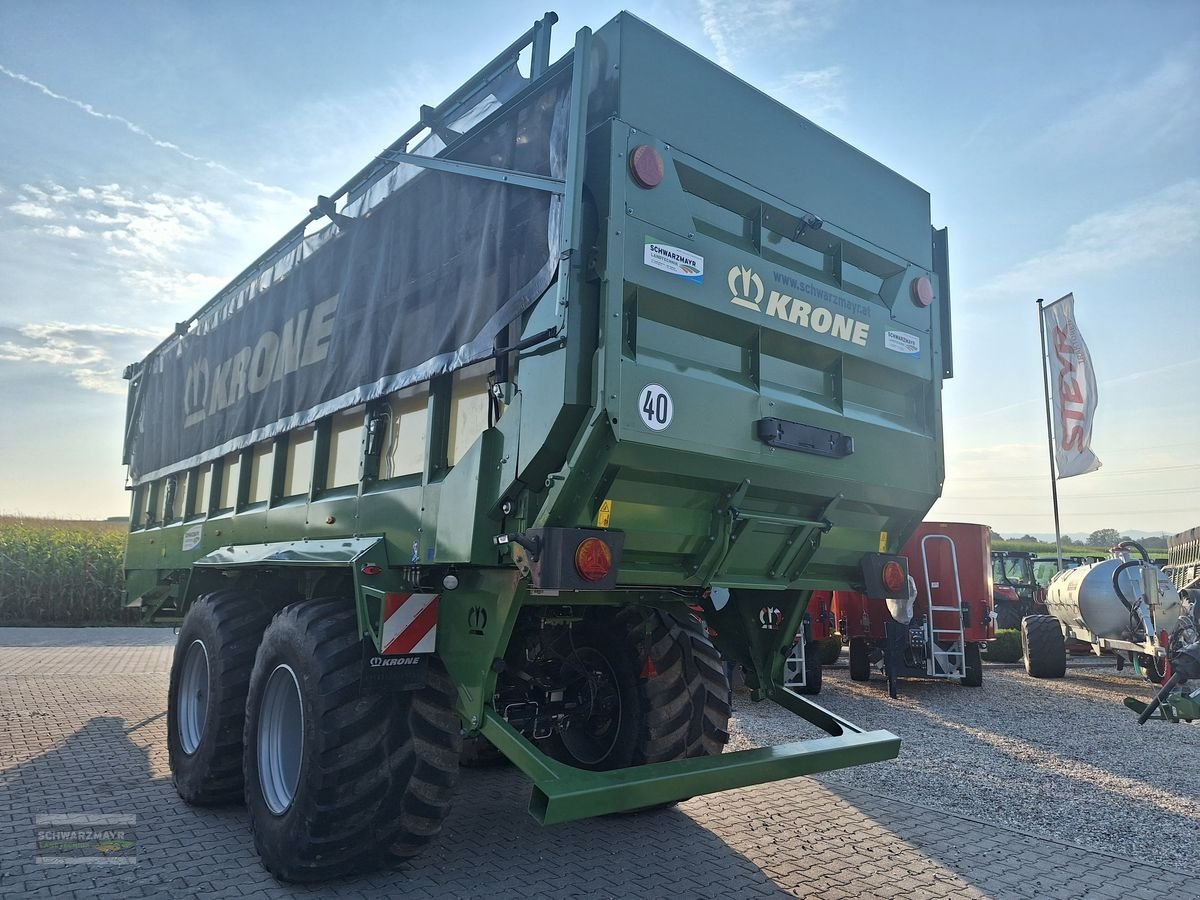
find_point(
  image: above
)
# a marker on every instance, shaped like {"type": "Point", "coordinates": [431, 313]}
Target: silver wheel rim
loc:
{"type": "Point", "coordinates": [193, 697]}
{"type": "Point", "coordinates": [280, 739]}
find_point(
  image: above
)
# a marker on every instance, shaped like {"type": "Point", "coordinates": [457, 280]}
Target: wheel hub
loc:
{"type": "Point", "coordinates": [193, 697]}
{"type": "Point", "coordinates": [280, 739]}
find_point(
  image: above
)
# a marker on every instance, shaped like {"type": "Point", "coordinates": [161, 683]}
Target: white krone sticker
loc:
{"type": "Point", "coordinates": [191, 537]}
{"type": "Point", "coordinates": [902, 342]}
{"type": "Point", "coordinates": [655, 407]}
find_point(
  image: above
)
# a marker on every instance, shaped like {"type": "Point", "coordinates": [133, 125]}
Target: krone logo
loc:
{"type": "Point", "coordinates": [746, 287]}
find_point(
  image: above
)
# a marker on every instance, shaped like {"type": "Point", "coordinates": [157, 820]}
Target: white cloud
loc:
{"type": "Point", "coordinates": [141, 132]}
{"type": "Point", "coordinates": [172, 285]}
{"type": "Point", "coordinates": [1158, 107]}
{"type": "Point", "coordinates": [813, 93]}
{"type": "Point", "coordinates": [87, 353]}
{"type": "Point", "coordinates": [1145, 229]}
{"type": "Point", "coordinates": [32, 209]}
{"type": "Point", "coordinates": [737, 26]}
{"type": "Point", "coordinates": [146, 228]}
{"type": "Point", "coordinates": [73, 232]}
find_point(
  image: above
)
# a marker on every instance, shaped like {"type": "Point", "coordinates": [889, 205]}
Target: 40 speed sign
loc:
{"type": "Point", "coordinates": [655, 407]}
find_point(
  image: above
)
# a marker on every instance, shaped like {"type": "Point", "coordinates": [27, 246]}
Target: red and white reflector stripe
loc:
{"type": "Point", "coordinates": [409, 623]}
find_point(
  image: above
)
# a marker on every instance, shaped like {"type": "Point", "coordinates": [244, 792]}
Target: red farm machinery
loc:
{"type": "Point", "coordinates": [938, 629]}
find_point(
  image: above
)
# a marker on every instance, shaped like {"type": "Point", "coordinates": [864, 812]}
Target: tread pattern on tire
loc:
{"type": "Point", "coordinates": [1043, 646]}
{"type": "Point", "coordinates": [233, 620]}
{"type": "Point", "coordinates": [380, 769]}
{"type": "Point", "coordinates": [687, 702]}
{"type": "Point", "coordinates": [972, 665]}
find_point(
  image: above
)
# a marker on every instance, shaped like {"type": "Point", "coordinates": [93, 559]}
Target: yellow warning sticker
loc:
{"type": "Point", "coordinates": [605, 515]}
{"type": "Point", "coordinates": [883, 542]}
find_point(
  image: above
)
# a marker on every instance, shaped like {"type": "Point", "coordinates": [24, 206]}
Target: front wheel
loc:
{"type": "Point", "coordinates": [337, 779]}
{"type": "Point", "coordinates": [972, 666]}
{"type": "Point", "coordinates": [1043, 647]}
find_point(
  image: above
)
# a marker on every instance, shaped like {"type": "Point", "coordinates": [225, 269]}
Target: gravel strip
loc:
{"type": "Point", "coordinates": [1062, 758]}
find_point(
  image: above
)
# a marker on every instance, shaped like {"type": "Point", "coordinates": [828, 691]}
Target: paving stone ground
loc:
{"type": "Point", "coordinates": [82, 731]}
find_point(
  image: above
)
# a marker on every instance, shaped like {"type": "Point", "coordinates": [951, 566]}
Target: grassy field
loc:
{"type": "Point", "coordinates": [1068, 550]}
{"type": "Point", "coordinates": [67, 572]}
{"type": "Point", "coordinates": [61, 572]}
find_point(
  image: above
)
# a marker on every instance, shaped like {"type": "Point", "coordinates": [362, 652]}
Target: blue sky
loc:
{"type": "Point", "coordinates": [151, 150]}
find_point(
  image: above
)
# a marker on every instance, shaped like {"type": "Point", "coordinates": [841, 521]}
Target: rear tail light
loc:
{"type": "Point", "coordinates": [893, 579]}
{"type": "Point", "coordinates": [646, 166]}
{"type": "Point", "coordinates": [922, 291]}
{"type": "Point", "coordinates": [593, 559]}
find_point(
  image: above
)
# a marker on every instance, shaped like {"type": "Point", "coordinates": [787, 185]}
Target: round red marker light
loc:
{"type": "Point", "coordinates": [893, 579]}
{"type": "Point", "coordinates": [922, 291]}
{"type": "Point", "coordinates": [593, 560]}
{"type": "Point", "coordinates": [646, 166]}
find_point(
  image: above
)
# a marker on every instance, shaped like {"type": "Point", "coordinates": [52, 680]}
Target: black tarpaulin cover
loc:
{"type": "Point", "coordinates": [432, 266]}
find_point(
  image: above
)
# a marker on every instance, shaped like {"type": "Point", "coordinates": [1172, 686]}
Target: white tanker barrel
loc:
{"type": "Point", "coordinates": [1085, 597]}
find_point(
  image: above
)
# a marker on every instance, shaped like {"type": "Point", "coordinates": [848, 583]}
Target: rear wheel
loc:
{"type": "Point", "coordinates": [339, 780]}
{"type": "Point", "coordinates": [860, 661]}
{"type": "Point", "coordinates": [206, 700]}
{"type": "Point", "coordinates": [973, 666]}
{"type": "Point", "coordinates": [1043, 647]}
{"type": "Point", "coordinates": [634, 711]}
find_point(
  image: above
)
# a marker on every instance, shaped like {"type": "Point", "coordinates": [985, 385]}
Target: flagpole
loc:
{"type": "Point", "coordinates": [1050, 432]}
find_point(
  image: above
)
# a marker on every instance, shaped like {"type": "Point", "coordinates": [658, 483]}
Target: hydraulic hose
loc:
{"type": "Point", "coordinates": [1134, 622]}
{"type": "Point", "coordinates": [1134, 545]}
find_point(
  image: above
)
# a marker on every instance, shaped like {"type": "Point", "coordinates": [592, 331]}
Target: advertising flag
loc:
{"type": "Point", "coordinates": [1073, 394]}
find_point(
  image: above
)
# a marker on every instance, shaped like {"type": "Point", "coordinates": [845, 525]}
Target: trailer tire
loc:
{"type": "Point", "coordinates": [688, 700]}
{"type": "Point", "coordinates": [680, 711]}
{"type": "Point", "coordinates": [860, 661]}
{"type": "Point", "coordinates": [1043, 647]}
{"type": "Point", "coordinates": [372, 780]}
{"type": "Point", "coordinates": [812, 670]}
{"type": "Point", "coordinates": [214, 656]}
{"type": "Point", "coordinates": [972, 666]}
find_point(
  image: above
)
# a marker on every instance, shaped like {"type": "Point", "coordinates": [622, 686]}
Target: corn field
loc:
{"type": "Point", "coordinates": [56, 572]}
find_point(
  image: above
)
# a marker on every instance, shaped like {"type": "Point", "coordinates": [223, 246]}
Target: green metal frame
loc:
{"type": "Point", "coordinates": [700, 506]}
{"type": "Point", "coordinates": [563, 793]}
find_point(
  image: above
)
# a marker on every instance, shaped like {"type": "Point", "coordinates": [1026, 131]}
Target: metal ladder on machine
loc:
{"type": "Point", "coordinates": [795, 668]}
{"type": "Point", "coordinates": [943, 663]}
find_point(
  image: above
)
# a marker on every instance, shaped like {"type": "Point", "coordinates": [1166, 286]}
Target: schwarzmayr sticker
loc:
{"type": "Point", "coordinates": [902, 342]}
{"type": "Point", "coordinates": [674, 261]}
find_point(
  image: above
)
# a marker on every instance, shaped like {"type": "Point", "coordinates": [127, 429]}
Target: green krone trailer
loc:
{"type": "Point", "coordinates": [573, 395]}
